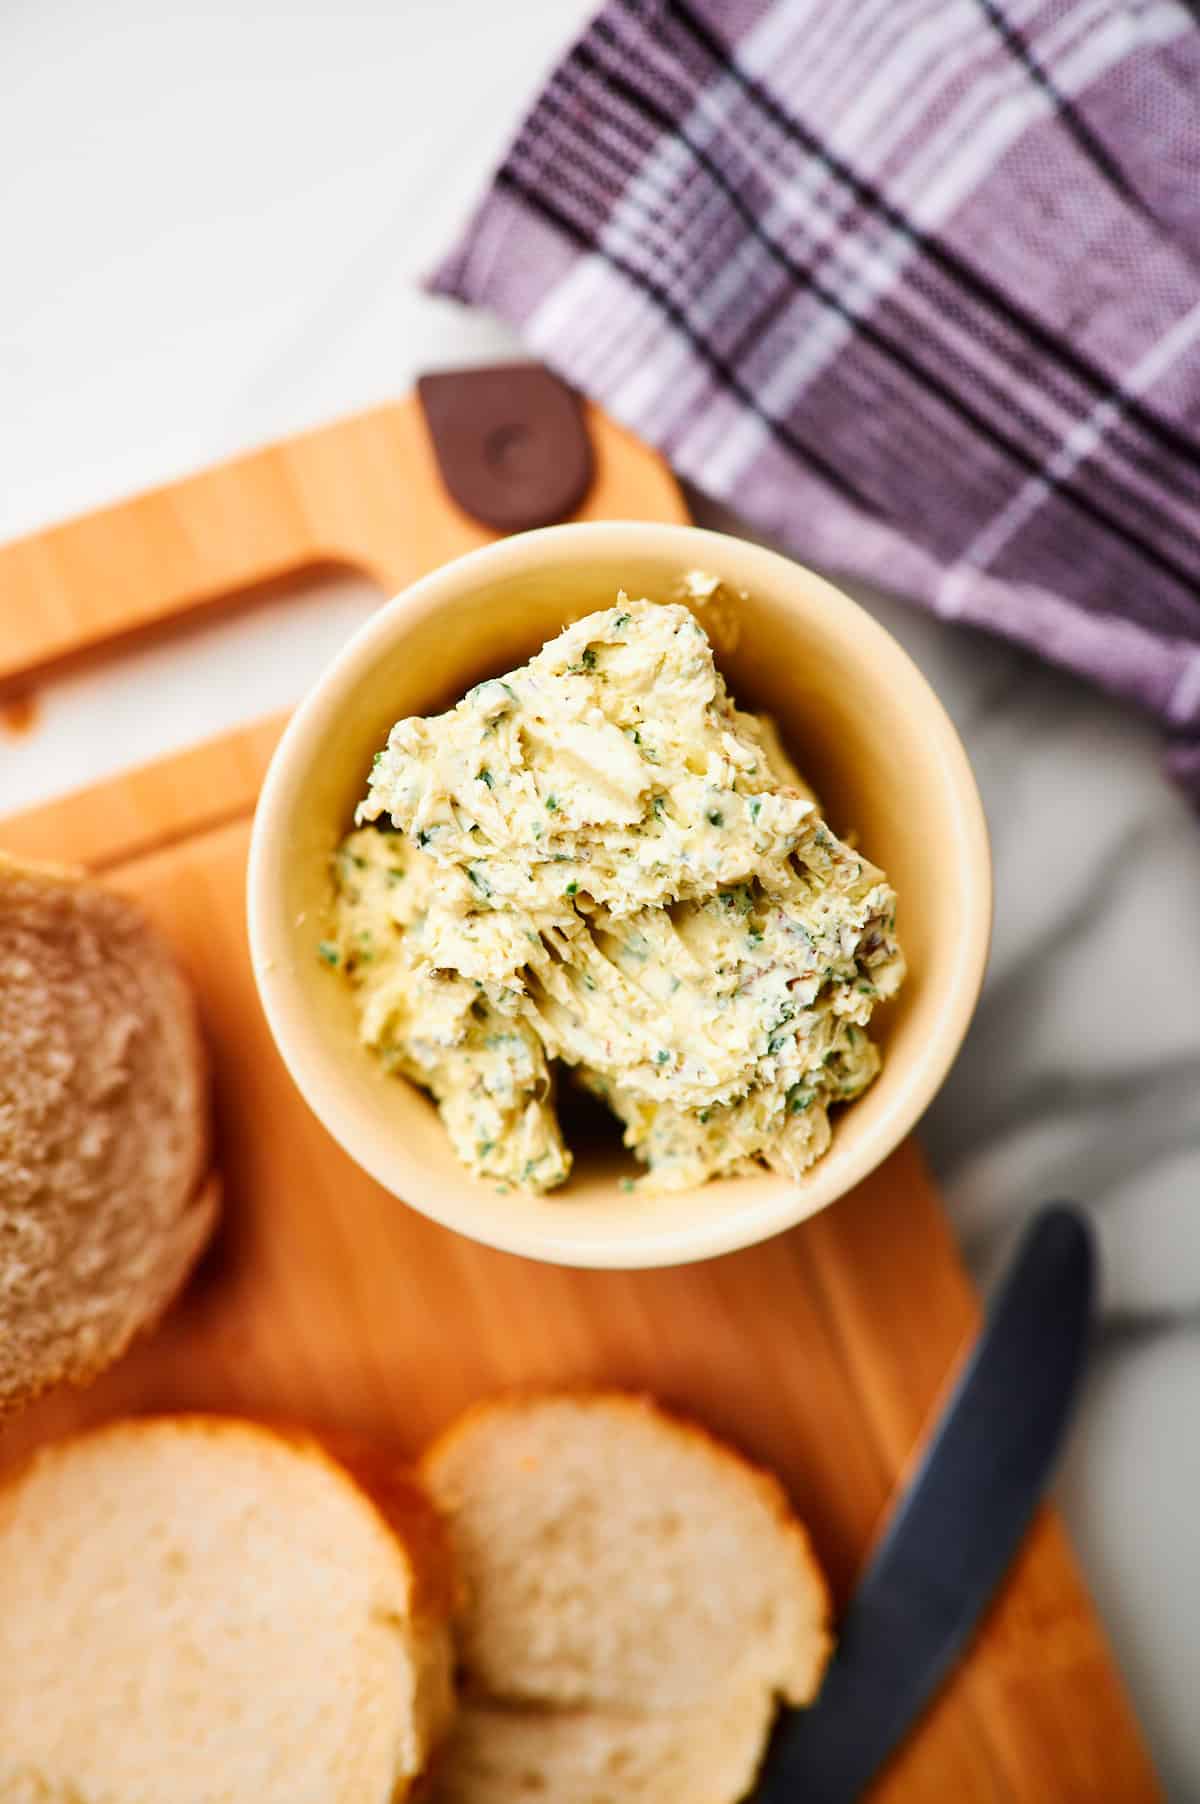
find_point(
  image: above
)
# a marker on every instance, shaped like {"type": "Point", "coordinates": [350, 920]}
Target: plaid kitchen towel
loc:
{"type": "Point", "coordinates": [912, 284]}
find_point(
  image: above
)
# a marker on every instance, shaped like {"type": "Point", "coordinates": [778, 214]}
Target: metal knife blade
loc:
{"type": "Point", "coordinates": [956, 1528]}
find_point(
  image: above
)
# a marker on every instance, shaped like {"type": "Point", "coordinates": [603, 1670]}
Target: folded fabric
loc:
{"type": "Point", "coordinates": [914, 285]}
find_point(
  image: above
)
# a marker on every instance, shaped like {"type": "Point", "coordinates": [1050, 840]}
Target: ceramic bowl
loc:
{"type": "Point", "coordinates": [861, 722]}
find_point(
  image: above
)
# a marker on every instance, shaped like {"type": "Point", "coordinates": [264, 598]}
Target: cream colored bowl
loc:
{"type": "Point", "coordinates": [865, 728]}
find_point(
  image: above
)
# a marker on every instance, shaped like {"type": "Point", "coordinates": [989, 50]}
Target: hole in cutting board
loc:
{"type": "Point", "coordinates": [256, 653]}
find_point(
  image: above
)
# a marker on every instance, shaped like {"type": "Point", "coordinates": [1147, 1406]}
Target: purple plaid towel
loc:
{"type": "Point", "coordinates": [912, 284]}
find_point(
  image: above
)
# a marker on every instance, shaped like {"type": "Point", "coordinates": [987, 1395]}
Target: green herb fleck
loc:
{"type": "Point", "coordinates": [661, 1056]}
{"type": "Point", "coordinates": [755, 807]}
{"type": "Point", "coordinates": [479, 880]}
{"type": "Point", "coordinates": [572, 888]}
{"type": "Point", "coordinates": [485, 776]}
{"type": "Point", "coordinates": [715, 818]}
{"type": "Point", "coordinates": [551, 804]}
{"type": "Point", "coordinates": [620, 621]}
{"type": "Point", "coordinates": [799, 1099]}
{"type": "Point", "coordinates": [328, 953]}
{"type": "Point", "coordinates": [588, 660]}
{"type": "Point", "coordinates": [627, 1185]}
{"type": "Point", "coordinates": [488, 683]}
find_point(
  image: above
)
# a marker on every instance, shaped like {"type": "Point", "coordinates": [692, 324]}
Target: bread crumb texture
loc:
{"type": "Point", "coordinates": [638, 1598]}
{"type": "Point", "coordinates": [239, 1621]}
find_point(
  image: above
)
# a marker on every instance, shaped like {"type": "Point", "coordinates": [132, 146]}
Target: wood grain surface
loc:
{"type": "Point", "coordinates": [821, 1353]}
{"type": "Point", "coordinates": [363, 493]}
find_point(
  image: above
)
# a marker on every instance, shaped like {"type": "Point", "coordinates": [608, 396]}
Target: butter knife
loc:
{"type": "Point", "coordinates": [955, 1530]}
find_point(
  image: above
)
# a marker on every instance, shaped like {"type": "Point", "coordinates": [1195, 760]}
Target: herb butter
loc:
{"type": "Point", "coordinates": [599, 862]}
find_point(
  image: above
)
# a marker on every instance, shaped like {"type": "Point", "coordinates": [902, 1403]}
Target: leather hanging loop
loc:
{"type": "Point", "coordinates": [511, 443]}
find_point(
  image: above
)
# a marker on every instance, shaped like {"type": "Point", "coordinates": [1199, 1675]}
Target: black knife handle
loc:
{"type": "Point", "coordinates": [956, 1529]}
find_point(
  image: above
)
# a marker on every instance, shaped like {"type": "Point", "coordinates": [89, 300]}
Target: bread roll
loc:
{"type": "Point", "coordinates": [103, 1128]}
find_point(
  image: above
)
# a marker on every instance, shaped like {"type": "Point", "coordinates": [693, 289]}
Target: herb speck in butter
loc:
{"type": "Point", "coordinates": [706, 969]}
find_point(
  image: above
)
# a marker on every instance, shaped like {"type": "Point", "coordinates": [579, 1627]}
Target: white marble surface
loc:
{"type": "Point", "coordinates": [213, 223]}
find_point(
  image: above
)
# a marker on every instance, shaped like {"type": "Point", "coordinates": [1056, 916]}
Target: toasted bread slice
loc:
{"type": "Point", "coordinates": [103, 1128]}
{"type": "Point", "coordinates": [204, 1609]}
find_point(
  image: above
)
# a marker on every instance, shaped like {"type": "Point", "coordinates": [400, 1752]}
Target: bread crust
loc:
{"type": "Point", "coordinates": [206, 1209]}
{"type": "Point", "coordinates": [184, 1238]}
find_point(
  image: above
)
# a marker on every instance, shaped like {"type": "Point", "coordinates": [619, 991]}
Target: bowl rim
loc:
{"type": "Point", "coordinates": [783, 1203]}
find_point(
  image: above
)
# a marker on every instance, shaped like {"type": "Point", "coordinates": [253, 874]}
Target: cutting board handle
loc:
{"type": "Point", "coordinates": [129, 568]}
{"type": "Point", "coordinates": [364, 493]}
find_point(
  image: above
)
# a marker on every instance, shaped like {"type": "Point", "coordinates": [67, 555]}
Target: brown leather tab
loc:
{"type": "Point", "coordinates": [511, 443]}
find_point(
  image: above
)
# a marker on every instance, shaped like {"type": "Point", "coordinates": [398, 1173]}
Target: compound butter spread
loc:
{"type": "Point", "coordinates": [598, 862]}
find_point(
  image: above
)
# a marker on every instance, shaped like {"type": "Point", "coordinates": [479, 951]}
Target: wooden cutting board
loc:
{"type": "Point", "coordinates": [820, 1353]}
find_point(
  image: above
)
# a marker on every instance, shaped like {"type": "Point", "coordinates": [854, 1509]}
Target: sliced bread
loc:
{"type": "Point", "coordinates": [211, 1611]}
{"type": "Point", "coordinates": [615, 1556]}
{"type": "Point", "coordinates": [103, 1128]}
{"type": "Point", "coordinates": [637, 1599]}
{"type": "Point", "coordinates": [506, 1755]}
